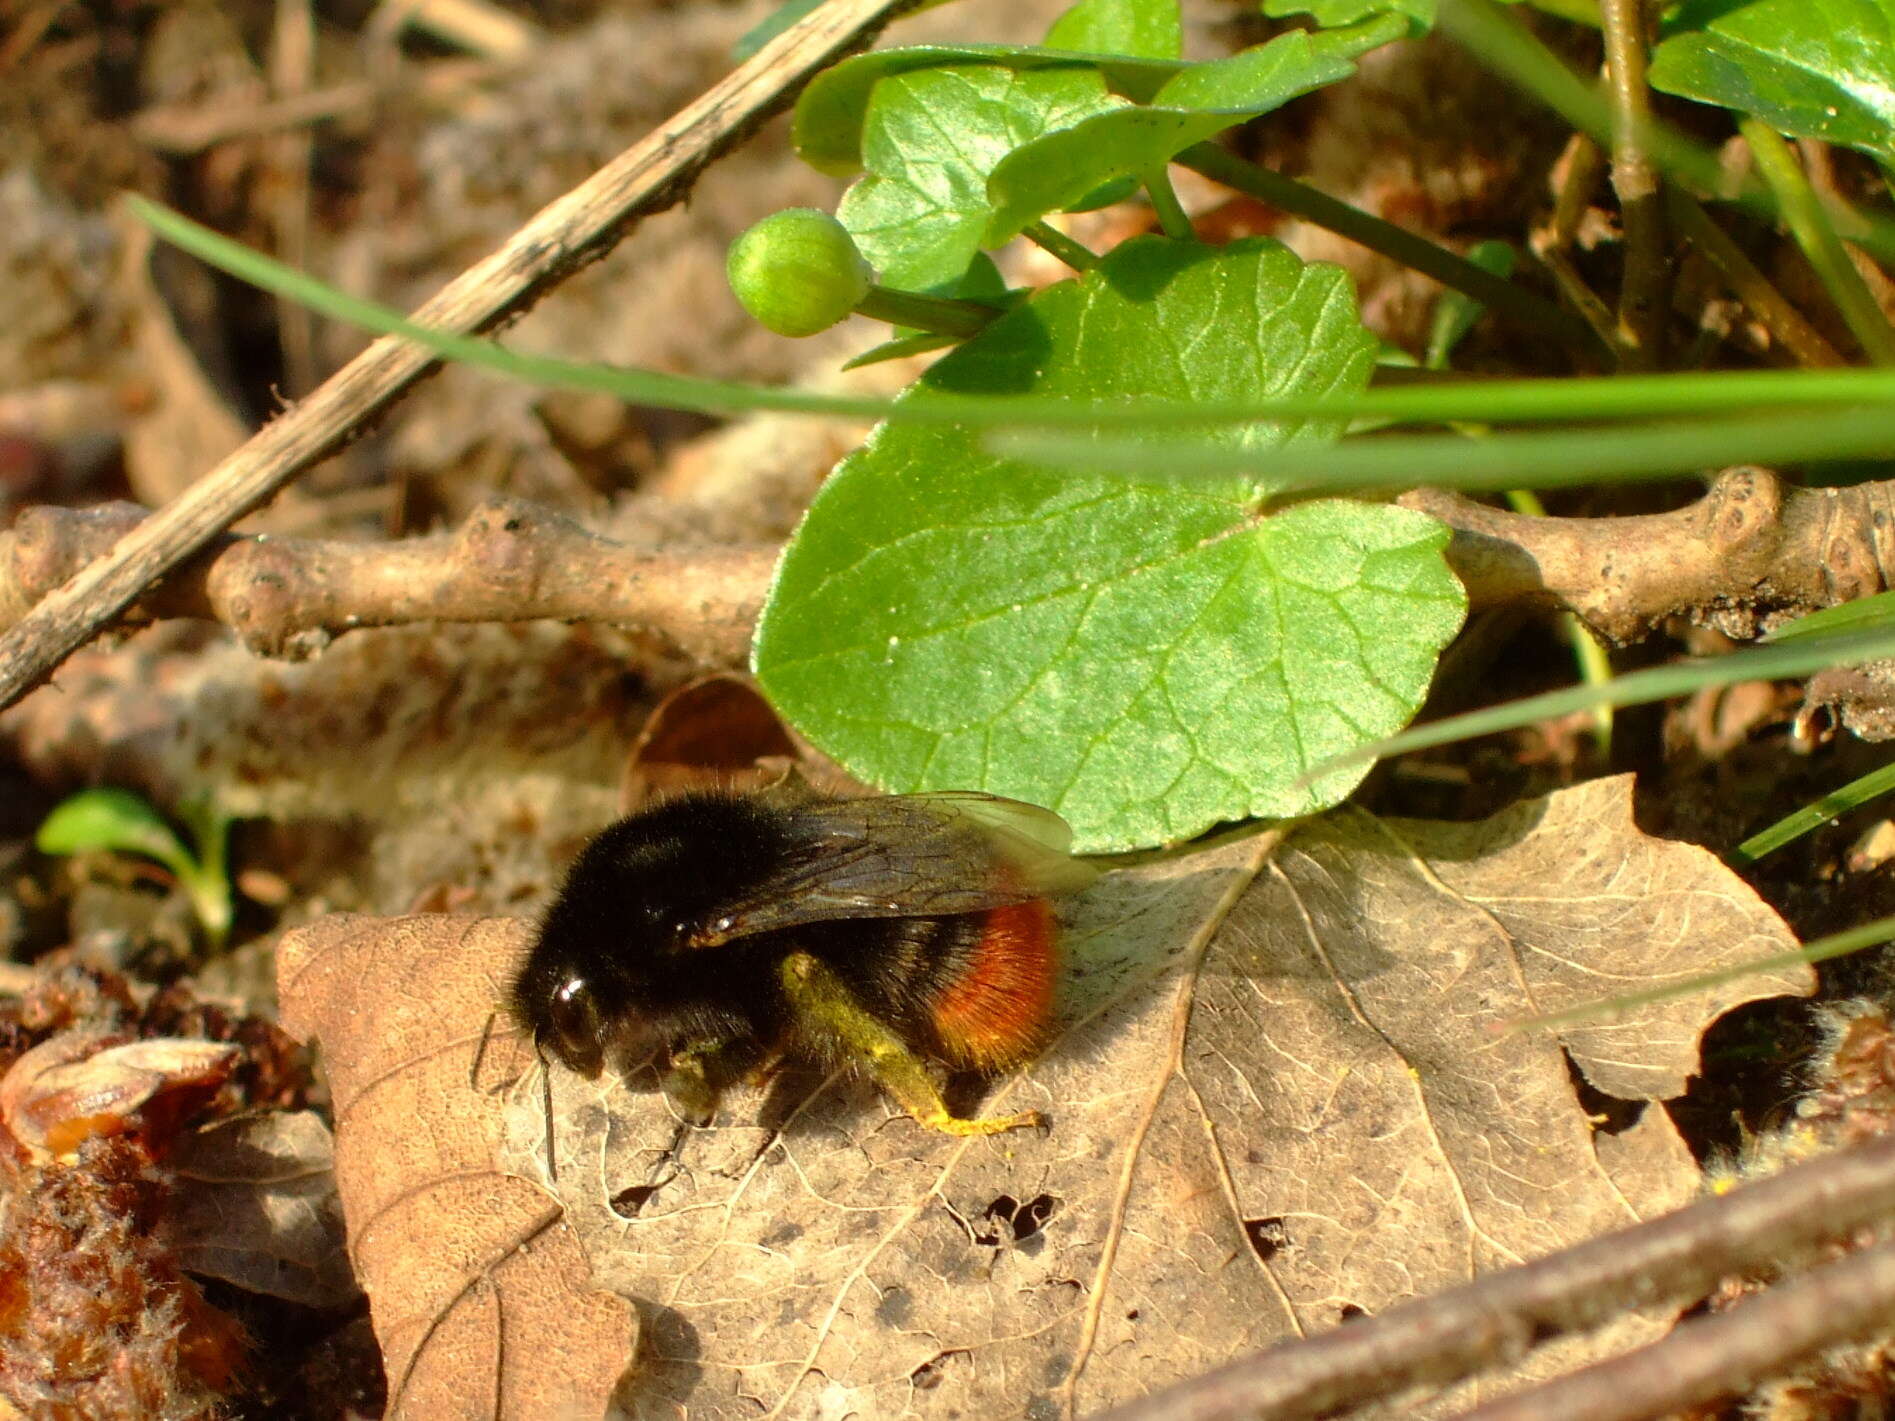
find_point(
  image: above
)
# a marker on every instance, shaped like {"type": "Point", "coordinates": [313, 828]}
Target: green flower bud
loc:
{"type": "Point", "coordinates": [798, 272]}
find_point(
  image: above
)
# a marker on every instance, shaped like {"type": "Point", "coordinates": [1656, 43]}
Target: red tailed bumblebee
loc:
{"type": "Point", "coordinates": [714, 933]}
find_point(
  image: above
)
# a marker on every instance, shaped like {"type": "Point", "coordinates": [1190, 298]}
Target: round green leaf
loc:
{"type": "Point", "coordinates": [1147, 655]}
{"type": "Point", "coordinates": [1815, 68]}
{"type": "Point", "coordinates": [930, 140]}
{"type": "Point", "coordinates": [827, 126]}
{"type": "Point", "coordinates": [1151, 29]}
{"type": "Point", "coordinates": [1332, 14]}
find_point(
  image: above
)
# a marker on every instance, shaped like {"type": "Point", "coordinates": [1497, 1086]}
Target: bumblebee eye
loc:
{"type": "Point", "coordinates": [573, 1013]}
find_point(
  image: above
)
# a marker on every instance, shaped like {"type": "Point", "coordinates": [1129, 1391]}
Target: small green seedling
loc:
{"type": "Point", "coordinates": [118, 821]}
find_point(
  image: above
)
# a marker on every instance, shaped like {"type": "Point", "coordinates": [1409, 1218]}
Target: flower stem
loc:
{"type": "Point", "coordinates": [942, 314]}
{"type": "Point", "coordinates": [1164, 201]}
{"type": "Point", "coordinates": [1516, 303]}
{"type": "Point", "coordinates": [1049, 238]}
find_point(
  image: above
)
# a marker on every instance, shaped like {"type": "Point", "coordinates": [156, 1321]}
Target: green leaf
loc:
{"type": "Point", "coordinates": [982, 281]}
{"type": "Point", "coordinates": [1456, 313]}
{"type": "Point", "coordinates": [1814, 68]}
{"type": "Point", "coordinates": [1059, 169]}
{"type": "Point", "coordinates": [827, 126]}
{"type": "Point", "coordinates": [1333, 14]}
{"type": "Point", "coordinates": [208, 881]}
{"type": "Point", "coordinates": [900, 348]}
{"type": "Point", "coordinates": [930, 141]}
{"type": "Point", "coordinates": [1874, 612]}
{"type": "Point", "coordinates": [770, 27]}
{"type": "Point", "coordinates": [1118, 190]}
{"type": "Point", "coordinates": [116, 821]}
{"type": "Point", "coordinates": [1146, 655]}
{"type": "Point", "coordinates": [1150, 29]}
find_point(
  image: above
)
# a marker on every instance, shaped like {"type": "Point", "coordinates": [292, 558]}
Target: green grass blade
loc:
{"type": "Point", "coordinates": [1821, 950]}
{"type": "Point", "coordinates": [1833, 805]}
{"type": "Point", "coordinates": [1500, 461]}
{"type": "Point", "coordinates": [1877, 610]}
{"type": "Point", "coordinates": [1657, 683]}
{"type": "Point", "coordinates": [1501, 400]}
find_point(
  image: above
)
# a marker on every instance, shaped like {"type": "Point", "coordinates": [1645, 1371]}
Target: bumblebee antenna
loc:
{"type": "Point", "coordinates": [546, 1098]}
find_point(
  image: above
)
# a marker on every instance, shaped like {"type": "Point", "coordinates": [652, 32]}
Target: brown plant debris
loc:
{"type": "Point", "coordinates": [1751, 554]}
{"type": "Point", "coordinates": [96, 1317]}
{"type": "Point", "coordinates": [99, 1100]}
{"type": "Point", "coordinates": [586, 221]}
{"type": "Point", "coordinates": [1850, 1098]}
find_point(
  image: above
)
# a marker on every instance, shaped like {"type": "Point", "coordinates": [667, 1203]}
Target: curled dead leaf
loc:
{"type": "Point", "coordinates": [718, 732]}
{"type": "Point", "coordinates": [478, 1292]}
{"type": "Point", "coordinates": [80, 1085]}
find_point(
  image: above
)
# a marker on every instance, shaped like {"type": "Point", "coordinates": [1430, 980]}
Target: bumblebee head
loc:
{"type": "Point", "coordinates": [613, 973]}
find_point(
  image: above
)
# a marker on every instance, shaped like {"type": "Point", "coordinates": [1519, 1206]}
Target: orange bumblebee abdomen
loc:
{"type": "Point", "coordinates": [997, 1010]}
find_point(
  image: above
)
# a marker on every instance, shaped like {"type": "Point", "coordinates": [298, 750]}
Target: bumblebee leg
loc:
{"type": "Point", "coordinates": [694, 1077]}
{"type": "Point", "coordinates": [824, 1004]}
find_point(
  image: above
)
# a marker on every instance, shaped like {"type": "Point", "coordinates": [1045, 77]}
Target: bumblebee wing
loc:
{"type": "Point", "coordinates": [1034, 843]}
{"type": "Point", "coordinates": [905, 856]}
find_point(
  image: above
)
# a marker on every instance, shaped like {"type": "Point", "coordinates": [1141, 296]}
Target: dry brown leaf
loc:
{"type": "Point", "coordinates": [259, 1208]}
{"type": "Point", "coordinates": [1281, 1098]}
{"type": "Point", "coordinates": [718, 732]}
{"type": "Point", "coordinates": [478, 1291]}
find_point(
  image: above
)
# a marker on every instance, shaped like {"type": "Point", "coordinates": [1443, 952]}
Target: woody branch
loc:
{"type": "Point", "coordinates": [510, 561]}
{"type": "Point", "coordinates": [1752, 551]}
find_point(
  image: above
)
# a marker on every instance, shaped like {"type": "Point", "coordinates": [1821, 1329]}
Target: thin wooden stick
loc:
{"type": "Point", "coordinates": [1762, 299]}
{"type": "Point", "coordinates": [1642, 301]}
{"type": "Point", "coordinates": [1724, 1354]}
{"type": "Point", "coordinates": [569, 232]}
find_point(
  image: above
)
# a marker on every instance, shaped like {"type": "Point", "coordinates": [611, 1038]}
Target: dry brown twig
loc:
{"type": "Point", "coordinates": [1642, 303]}
{"type": "Point", "coordinates": [1437, 1340]}
{"type": "Point", "coordinates": [1750, 552]}
{"type": "Point", "coordinates": [565, 235]}
{"type": "Point", "coordinates": [1723, 1355]}
{"type": "Point", "coordinates": [510, 561]}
